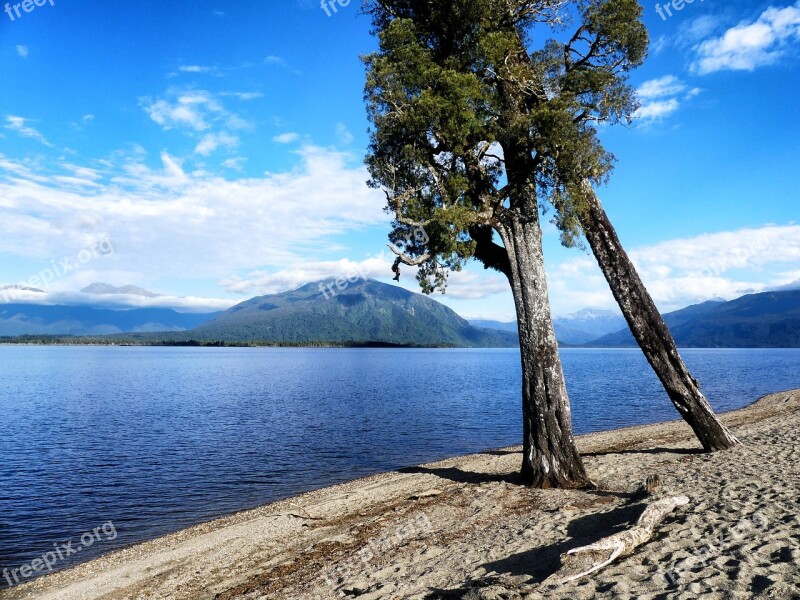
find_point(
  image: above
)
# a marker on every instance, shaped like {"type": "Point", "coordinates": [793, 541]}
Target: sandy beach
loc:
{"type": "Point", "coordinates": [463, 528]}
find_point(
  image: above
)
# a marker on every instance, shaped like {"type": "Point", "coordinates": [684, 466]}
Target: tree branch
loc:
{"type": "Point", "coordinates": [406, 259]}
{"type": "Point", "coordinates": [493, 256]}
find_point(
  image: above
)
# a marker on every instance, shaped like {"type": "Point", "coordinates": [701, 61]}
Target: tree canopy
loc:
{"type": "Point", "coordinates": [472, 100]}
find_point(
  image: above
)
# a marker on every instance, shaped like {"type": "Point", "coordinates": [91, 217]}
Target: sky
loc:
{"type": "Point", "coordinates": [213, 151]}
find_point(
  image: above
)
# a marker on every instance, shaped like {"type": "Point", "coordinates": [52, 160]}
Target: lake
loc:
{"type": "Point", "coordinates": [157, 439]}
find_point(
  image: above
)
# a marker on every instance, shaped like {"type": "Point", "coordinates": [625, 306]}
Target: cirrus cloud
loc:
{"type": "Point", "coordinates": [20, 126]}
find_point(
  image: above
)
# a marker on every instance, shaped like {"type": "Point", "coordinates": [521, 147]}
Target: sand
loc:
{"type": "Point", "coordinates": [463, 528]}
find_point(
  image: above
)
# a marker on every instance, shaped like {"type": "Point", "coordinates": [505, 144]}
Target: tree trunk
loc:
{"type": "Point", "coordinates": [550, 457]}
{"type": "Point", "coordinates": [650, 330]}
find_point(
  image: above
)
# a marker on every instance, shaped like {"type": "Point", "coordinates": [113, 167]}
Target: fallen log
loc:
{"type": "Point", "coordinates": [585, 560]}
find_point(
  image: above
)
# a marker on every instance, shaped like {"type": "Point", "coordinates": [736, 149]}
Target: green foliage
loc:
{"type": "Point", "coordinates": [471, 110]}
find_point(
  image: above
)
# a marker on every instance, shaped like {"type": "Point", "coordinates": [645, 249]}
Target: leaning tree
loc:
{"type": "Point", "coordinates": [478, 128]}
{"type": "Point", "coordinates": [648, 327]}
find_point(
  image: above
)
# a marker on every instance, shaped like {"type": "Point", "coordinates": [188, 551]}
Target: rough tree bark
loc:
{"type": "Point", "coordinates": [550, 457]}
{"type": "Point", "coordinates": [649, 329]}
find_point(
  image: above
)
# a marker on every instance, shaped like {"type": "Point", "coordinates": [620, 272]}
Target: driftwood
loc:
{"type": "Point", "coordinates": [585, 560]}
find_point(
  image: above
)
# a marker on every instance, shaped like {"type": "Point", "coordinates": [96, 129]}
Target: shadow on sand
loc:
{"type": "Point", "coordinates": [647, 451]}
{"type": "Point", "coordinates": [541, 562]}
{"type": "Point", "coordinates": [460, 476]}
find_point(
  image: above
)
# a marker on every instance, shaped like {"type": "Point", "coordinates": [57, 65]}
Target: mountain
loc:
{"type": "Point", "coordinates": [34, 319]}
{"type": "Point", "coordinates": [765, 320]}
{"type": "Point", "coordinates": [587, 325]}
{"type": "Point", "coordinates": [365, 312]}
{"type": "Point", "coordinates": [108, 289]}
{"type": "Point", "coordinates": [574, 329]}
{"type": "Point", "coordinates": [498, 325]}
{"type": "Point", "coordinates": [623, 337]}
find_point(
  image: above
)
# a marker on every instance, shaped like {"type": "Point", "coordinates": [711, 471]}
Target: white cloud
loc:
{"type": "Point", "coordinates": [789, 280]}
{"type": "Point", "coordinates": [658, 45]}
{"type": "Point", "coordinates": [83, 172]}
{"type": "Point", "coordinates": [213, 141]}
{"type": "Point", "coordinates": [696, 30]}
{"type": "Point", "coordinates": [686, 271]}
{"type": "Point", "coordinates": [234, 164]}
{"type": "Point", "coordinates": [476, 284]}
{"type": "Point", "coordinates": [193, 109]}
{"type": "Point", "coordinates": [718, 253]}
{"type": "Point", "coordinates": [20, 126]}
{"type": "Point", "coordinates": [261, 282]}
{"type": "Point", "coordinates": [286, 138]}
{"type": "Point", "coordinates": [81, 124]}
{"type": "Point", "coordinates": [199, 69]}
{"type": "Point", "coordinates": [199, 114]}
{"type": "Point", "coordinates": [22, 51]}
{"type": "Point", "coordinates": [344, 136]}
{"type": "Point", "coordinates": [750, 45]}
{"type": "Point", "coordinates": [668, 85]}
{"type": "Point", "coordinates": [187, 304]}
{"type": "Point", "coordinates": [577, 283]}
{"type": "Point", "coordinates": [244, 96]}
{"type": "Point", "coordinates": [275, 60]}
{"type": "Point", "coordinates": [652, 111]}
{"type": "Point", "coordinates": [662, 97]}
{"type": "Point", "coordinates": [172, 223]}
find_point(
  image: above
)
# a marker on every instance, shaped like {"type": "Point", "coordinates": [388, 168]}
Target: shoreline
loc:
{"type": "Point", "coordinates": [344, 345]}
{"type": "Point", "coordinates": [247, 554]}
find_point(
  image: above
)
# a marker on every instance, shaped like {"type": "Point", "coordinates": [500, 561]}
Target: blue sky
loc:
{"type": "Point", "coordinates": [214, 150]}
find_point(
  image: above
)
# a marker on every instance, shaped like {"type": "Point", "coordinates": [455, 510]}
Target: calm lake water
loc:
{"type": "Point", "coordinates": [157, 439]}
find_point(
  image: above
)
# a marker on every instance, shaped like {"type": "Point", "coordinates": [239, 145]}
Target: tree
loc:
{"type": "Point", "coordinates": [474, 135]}
{"type": "Point", "coordinates": [649, 329]}
{"type": "Point", "coordinates": [548, 100]}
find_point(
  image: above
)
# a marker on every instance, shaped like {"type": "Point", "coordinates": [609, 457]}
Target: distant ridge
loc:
{"type": "Point", "coordinates": [499, 325]}
{"type": "Point", "coordinates": [765, 320]}
{"type": "Point", "coordinates": [35, 319]}
{"type": "Point", "coordinates": [108, 289]}
{"type": "Point", "coordinates": [371, 313]}
{"type": "Point", "coordinates": [573, 329]}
